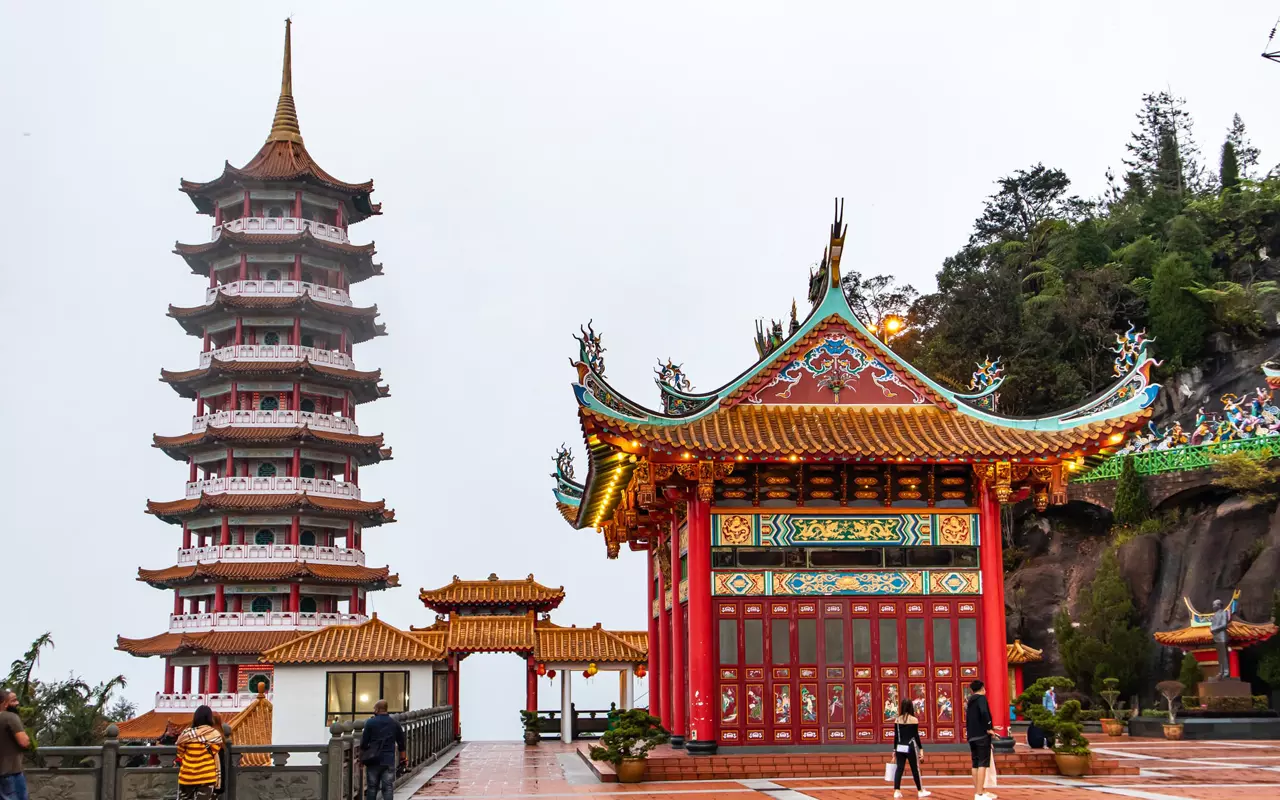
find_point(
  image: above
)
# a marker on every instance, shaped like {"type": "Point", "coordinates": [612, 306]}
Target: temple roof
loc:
{"type": "Point", "coordinates": [220, 643]}
{"type": "Point", "coordinates": [1239, 632]}
{"type": "Point", "coordinates": [1019, 653]}
{"type": "Point", "coordinates": [492, 592]}
{"type": "Point", "coordinates": [829, 390]}
{"type": "Point", "coordinates": [556, 643]}
{"type": "Point", "coordinates": [370, 512]}
{"type": "Point", "coordinates": [284, 158]}
{"type": "Point", "coordinates": [372, 641]}
{"type": "Point", "coordinates": [270, 571]}
{"type": "Point", "coordinates": [251, 725]}
{"type": "Point", "coordinates": [358, 258]}
{"type": "Point", "coordinates": [367, 449]}
{"type": "Point", "coordinates": [490, 634]}
{"type": "Point", "coordinates": [359, 320]}
{"type": "Point", "coordinates": [364, 385]}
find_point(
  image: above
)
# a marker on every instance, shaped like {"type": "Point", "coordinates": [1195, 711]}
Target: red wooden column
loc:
{"type": "Point", "coordinates": [211, 675]}
{"type": "Point", "coordinates": [664, 647]}
{"type": "Point", "coordinates": [995, 655]}
{"type": "Point", "coordinates": [701, 738]}
{"type": "Point", "coordinates": [168, 676]}
{"type": "Point", "coordinates": [219, 598]}
{"type": "Point", "coordinates": [186, 680]}
{"type": "Point", "coordinates": [1233, 662]}
{"type": "Point", "coordinates": [233, 679]}
{"type": "Point", "coordinates": [454, 695]}
{"type": "Point", "coordinates": [655, 645]}
{"type": "Point", "coordinates": [295, 597]}
{"type": "Point", "coordinates": [531, 686]}
{"type": "Point", "coordinates": [679, 700]}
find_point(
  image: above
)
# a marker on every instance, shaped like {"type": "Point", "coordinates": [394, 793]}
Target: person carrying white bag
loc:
{"type": "Point", "coordinates": [907, 749]}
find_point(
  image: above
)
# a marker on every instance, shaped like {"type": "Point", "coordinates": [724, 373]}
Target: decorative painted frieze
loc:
{"type": "Point", "coordinates": [887, 530]}
{"type": "Point", "coordinates": [869, 582]}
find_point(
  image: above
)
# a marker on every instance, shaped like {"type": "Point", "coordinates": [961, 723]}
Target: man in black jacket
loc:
{"type": "Point", "coordinates": [378, 743]}
{"type": "Point", "coordinates": [980, 732]}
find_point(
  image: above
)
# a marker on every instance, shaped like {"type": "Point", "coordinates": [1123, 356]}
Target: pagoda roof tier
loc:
{"type": "Point", "coordinates": [284, 159]}
{"type": "Point", "coordinates": [358, 258]}
{"type": "Point", "coordinates": [359, 320]}
{"type": "Point", "coordinates": [364, 385]}
{"type": "Point", "coordinates": [366, 449]}
{"type": "Point", "coordinates": [270, 572]}
{"type": "Point", "coordinates": [558, 644]}
{"type": "Point", "coordinates": [459, 594]}
{"type": "Point", "coordinates": [251, 725]}
{"type": "Point", "coordinates": [218, 643]}
{"type": "Point", "coordinates": [829, 390]}
{"type": "Point", "coordinates": [491, 634]}
{"type": "Point", "coordinates": [368, 512]}
{"type": "Point", "coordinates": [1019, 653]}
{"type": "Point", "coordinates": [1239, 633]}
{"type": "Point", "coordinates": [369, 642]}
{"type": "Point", "coordinates": [540, 638]}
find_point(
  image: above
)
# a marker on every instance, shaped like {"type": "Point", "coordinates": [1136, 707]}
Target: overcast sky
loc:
{"type": "Point", "coordinates": [666, 169]}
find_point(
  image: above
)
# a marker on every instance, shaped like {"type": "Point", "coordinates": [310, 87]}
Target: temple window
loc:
{"type": "Point", "coordinates": [308, 470]}
{"type": "Point", "coordinates": [273, 274]}
{"type": "Point", "coordinates": [308, 405]}
{"type": "Point", "coordinates": [266, 470]}
{"type": "Point", "coordinates": [307, 605]}
{"type": "Point", "coordinates": [275, 211]}
{"type": "Point", "coordinates": [941, 639]}
{"type": "Point", "coordinates": [888, 641]}
{"type": "Point", "coordinates": [259, 682]}
{"type": "Point", "coordinates": [264, 536]}
{"type": "Point", "coordinates": [728, 641]}
{"type": "Point", "coordinates": [261, 605]}
{"type": "Point", "coordinates": [862, 641]}
{"type": "Point", "coordinates": [308, 340]}
{"type": "Point", "coordinates": [807, 641]}
{"type": "Point", "coordinates": [308, 538]}
{"type": "Point", "coordinates": [915, 640]}
{"type": "Point", "coordinates": [833, 640]}
{"type": "Point", "coordinates": [780, 640]}
{"type": "Point", "coordinates": [307, 277]}
{"type": "Point", "coordinates": [351, 695]}
{"type": "Point", "coordinates": [271, 338]}
{"type": "Point", "coordinates": [968, 639]}
{"type": "Point", "coordinates": [268, 403]}
{"type": "Point", "coordinates": [753, 641]}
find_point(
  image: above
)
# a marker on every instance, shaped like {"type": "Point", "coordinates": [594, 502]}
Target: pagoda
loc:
{"type": "Point", "coordinates": [822, 533]}
{"type": "Point", "coordinates": [272, 517]}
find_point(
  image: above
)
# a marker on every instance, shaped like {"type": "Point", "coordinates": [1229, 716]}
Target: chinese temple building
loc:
{"type": "Point", "coordinates": [272, 517]}
{"type": "Point", "coordinates": [822, 533]}
{"type": "Point", "coordinates": [1197, 640]}
{"type": "Point", "coordinates": [1018, 655]}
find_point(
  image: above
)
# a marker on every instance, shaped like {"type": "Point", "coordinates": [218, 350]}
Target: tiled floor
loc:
{"type": "Point", "coordinates": [1168, 771]}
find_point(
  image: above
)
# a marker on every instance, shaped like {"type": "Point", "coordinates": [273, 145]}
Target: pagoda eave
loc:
{"type": "Point", "coordinates": [366, 450]}
{"type": "Point", "coordinates": [363, 385]}
{"type": "Point", "coordinates": [367, 578]}
{"type": "Point", "coordinates": [357, 258]}
{"type": "Point", "coordinates": [1239, 634]}
{"type": "Point", "coordinates": [176, 511]}
{"type": "Point", "coordinates": [219, 643]}
{"type": "Point", "coordinates": [277, 163]}
{"type": "Point", "coordinates": [359, 320]}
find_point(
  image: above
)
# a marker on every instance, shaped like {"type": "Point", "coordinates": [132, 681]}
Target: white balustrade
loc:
{"type": "Point", "coordinates": [276, 484]}
{"type": "Point", "coordinates": [222, 701]}
{"type": "Point", "coordinates": [278, 352]}
{"type": "Point", "coordinates": [251, 620]}
{"type": "Point", "coordinates": [270, 552]}
{"type": "Point", "coordinates": [280, 418]}
{"type": "Point", "coordinates": [286, 225]}
{"type": "Point", "coordinates": [281, 288]}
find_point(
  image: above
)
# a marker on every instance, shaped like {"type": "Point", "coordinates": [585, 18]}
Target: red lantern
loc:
{"type": "Point", "coordinates": [551, 673]}
{"type": "Point", "coordinates": [586, 674]}
{"type": "Point", "coordinates": [641, 671]}
{"type": "Point", "coordinates": [542, 670]}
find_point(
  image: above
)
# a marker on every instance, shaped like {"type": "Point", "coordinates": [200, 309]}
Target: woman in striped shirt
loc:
{"type": "Point", "coordinates": [199, 771]}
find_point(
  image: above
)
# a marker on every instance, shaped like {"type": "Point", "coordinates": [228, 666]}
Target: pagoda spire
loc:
{"type": "Point", "coordinates": [284, 127]}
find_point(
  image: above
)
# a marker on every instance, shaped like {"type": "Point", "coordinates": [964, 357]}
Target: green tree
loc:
{"type": "Point", "coordinates": [1246, 154]}
{"type": "Point", "coordinates": [67, 712]}
{"type": "Point", "coordinates": [1269, 658]}
{"type": "Point", "coordinates": [1229, 167]}
{"type": "Point", "coordinates": [1132, 505]}
{"type": "Point", "coordinates": [1190, 674]}
{"type": "Point", "coordinates": [1177, 321]}
{"type": "Point", "coordinates": [1108, 641]}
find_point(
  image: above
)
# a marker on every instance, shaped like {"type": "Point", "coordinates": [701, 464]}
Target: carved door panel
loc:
{"type": "Point", "coordinates": [783, 690]}
{"type": "Point", "coordinates": [833, 672]}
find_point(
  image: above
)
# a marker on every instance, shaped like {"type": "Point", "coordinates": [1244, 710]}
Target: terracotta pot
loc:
{"type": "Point", "coordinates": [631, 770]}
{"type": "Point", "coordinates": [1072, 766]}
{"type": "Point", "coordinates": [532, 737]}
{"type": "Point", "coordinates": [1173, 732]}
{"type": "Point", "coordinates": [1112, 727]}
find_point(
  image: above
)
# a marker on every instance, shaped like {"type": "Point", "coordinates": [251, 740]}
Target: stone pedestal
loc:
{"type": "Point", "coordinates": [1231, 694]}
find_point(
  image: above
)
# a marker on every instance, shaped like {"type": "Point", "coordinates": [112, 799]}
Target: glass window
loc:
{"type": "Point", "coordinates": [368, 691]}
{"type": "Point", "coordinates": [352, 695]}
{"type": "Point", "coordinates": [753, 641]}
{"type": "Point", "coordinates": [846, 557]}
{"type": "Point", "coordinates": [965, 557]}
{"type": "Point", "coordinates": [722, 558]}
{"type": "Point", "coordinates": [258, 682]}
{"type": "Point", "coordinates": [752, 557]}
{"type": "Point", "coordinates": [307, 539]}
{"type": "Point", "coordinates": [266, 470]}
{"type": "Point", "coordinates": [728, 641]}
{"type": "Point", "coordinates": [340, 690]}
{"type": "Point", "coordinates": [395, 690]}
{"type": "Point", "coordinates": [264, 536]}
{"type": "Point", "coordinates": [273, 274]}
{"type": "Point", "coordinates": [268, 403]}
{"type": "Point", "coordinates": [968, 639]}
{"type": "Point", "coordinates": [895, 556]}
{"type": "Point", "coordinates": [780, 640]}
{"type": "Point", "coordinates": [888, 641]}
{"type": "Point", "coordinates": [807, 641]}
{"type": "Point", "coordinates": [833, 640]}
{"type": "Point", "coordinates": [942, 640]}
{"type": "Point", "coordinates": [684, 567]}
{"type": "Point", "coordinates": [928, 557]}
{"type": "Point", "coordinates": [260, 605]}
{"type": "Point", "coordinates": [915, 640]}
{"type": "Point", "coordinates": [309, 406]}
{"type": "Point", "coordinates": [862, 641]}
{"type": "Point", "coordinates": [271, 337]}
{"type": "Point", "coordinates": [308, 470]}
{"type": "Point", "coordinates": [307, 605]}
{"type": "Point", "coordinates": [794, 557]}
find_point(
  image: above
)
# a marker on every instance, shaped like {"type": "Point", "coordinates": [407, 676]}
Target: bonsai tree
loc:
{"type": "Point", "coordinates": [1171, 691]}
{"type": "Point", "coordinates": [1062, 726]}
{"type": "Point", "coordinates": [1111, 694]}
{"type": "Point", "coordinates": [635, 734]}
{"type": "Point", "coordinates": [529, 719]}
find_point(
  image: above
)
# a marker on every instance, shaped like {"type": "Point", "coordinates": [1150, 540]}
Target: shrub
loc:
{"type": "Point", "coordinates": [1171, 690]}
{"type": "Point", "coordinates": [1109, 641]}
{"type": "Point", "coordinates": [1062, 727]}
{"type": "Point", "coordinates": [1260, 702]}
{"type": "Point", "coordinates": [1190, 674]}
{"type": "Point", "coordinates": [1247, 474]}
{"type": "Point", "coordinates": [1110, 695]}
{"type": "Point", "coordinates": [1131, 505]}
{"type": "Point", "coordinates": [529, 719]}
{"type": "Point", "coordinates": [636, 733]}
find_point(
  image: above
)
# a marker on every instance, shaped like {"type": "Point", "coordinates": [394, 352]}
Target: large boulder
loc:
{"type": "Point", "coordinates": [1139, 560]}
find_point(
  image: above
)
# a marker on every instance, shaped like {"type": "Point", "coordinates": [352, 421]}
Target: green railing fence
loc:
{"type": "Point", "coordinates": [1178, 459]}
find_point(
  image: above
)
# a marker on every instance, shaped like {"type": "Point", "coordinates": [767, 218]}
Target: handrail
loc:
{"type": "Point", "coordinates": [1178, 459]}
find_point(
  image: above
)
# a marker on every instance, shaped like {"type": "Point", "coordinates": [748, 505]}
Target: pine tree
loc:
{"type": "Point", "coordinates": [1190, 674]}
{"type": "Point", "coordinates": [1177, 320]}
{"type": "Point", "coordinates": [1162, 119]}
{"type": "Point", "coordinates": [1246, 154]}
{"type": "Point", "coordinates": [1131, 504]}
{"type": "Point", "coordinates": [1229, 167]}
{"type": "Point", "coordinates": [1108, 641]}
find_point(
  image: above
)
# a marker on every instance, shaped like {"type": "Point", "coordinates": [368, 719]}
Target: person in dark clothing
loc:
{"type": "Point", "coordinates": [980, 730]}
{"type": "Point", "coordinates": [378, 743]}
{"type": "Point", "coordinates": [906, 746]}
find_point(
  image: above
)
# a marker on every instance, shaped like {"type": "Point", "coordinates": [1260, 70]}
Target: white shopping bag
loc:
{"type": "Point", "coordinates": [890, 770]}
{"type": "Point", "coordinates": [993, 780]}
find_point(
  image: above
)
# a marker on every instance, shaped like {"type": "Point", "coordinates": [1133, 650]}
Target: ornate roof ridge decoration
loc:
{"type": "Point", "coordinates": [174, 511]}
{"type": "Point", "coordinates": [491, 592]}
{"type": "Point", "coordinates": [984, 386]}
{"type": "Point", "coordinates": [369, 642]}
{"type": "Point", "coordinates": [283, 157]}
{"type": "Point", "coordinates": [676, 391]}
{"type": "Point", "coordinates": [1019, 653]}
{"type": "Point", "coordinates": [268, 571]}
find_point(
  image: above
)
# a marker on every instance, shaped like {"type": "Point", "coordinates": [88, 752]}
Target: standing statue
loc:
{"type": "Point", "coordinates": [1218, 627]}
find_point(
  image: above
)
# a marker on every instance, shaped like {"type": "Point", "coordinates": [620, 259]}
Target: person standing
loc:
{"type": "Point", "coordinates": [13, 741]}
{"type": "Point", "coordinates": [907, 748]}
{"type": "Point", "coordinates": [378, 743]}
{"type": "Point", "coordinates": [980, 732]}
{"type": "Point", "coordinates": [199, 767]}
{"type": "Point", "coordinates": [1050, 701]}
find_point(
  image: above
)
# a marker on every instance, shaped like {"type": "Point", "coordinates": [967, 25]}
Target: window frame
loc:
{"type": "Point", "coordinates": [331, 716]}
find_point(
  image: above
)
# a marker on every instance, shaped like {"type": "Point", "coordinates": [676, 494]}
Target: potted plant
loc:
{"type": "Point", "coordinates": [1062, 727]}
{"type": "Point", "coordinates": [532, 734]}
{"type": "Point", "coordinates": [1171, 691]}
{"type": "Point", "coordinates": [1113, 725]}
{"type": "Point", "coordinates": [628, 742]}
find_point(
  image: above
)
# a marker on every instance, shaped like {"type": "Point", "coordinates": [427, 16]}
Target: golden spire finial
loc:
{"type": "Point", "coordinates": [284, 127]}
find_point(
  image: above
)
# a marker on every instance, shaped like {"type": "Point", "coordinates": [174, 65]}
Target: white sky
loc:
{"type": "Point", "coordinates": [666, 169]}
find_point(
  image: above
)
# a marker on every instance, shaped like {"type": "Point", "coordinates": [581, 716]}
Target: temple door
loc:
{"type": "Point", "coordinates": [865, 711]}
{"type": "Point", "coordinates": [833, 672]}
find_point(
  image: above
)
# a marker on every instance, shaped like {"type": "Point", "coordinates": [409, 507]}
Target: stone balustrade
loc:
{"type": "Point", "coordinates": [248, 484]}
{"type": "Point", "coordinates": [270, 552]}
{"type": "Point", "coordinates": [280, 418]}
{"type": "Point", "coordinates": [257, 621]}
{"type": "Point", "coordinates": [278, 352]}
{"type": "Point", "coordinates": [279, 288]}
{"type": "Point", "coordinates": [281, 225]}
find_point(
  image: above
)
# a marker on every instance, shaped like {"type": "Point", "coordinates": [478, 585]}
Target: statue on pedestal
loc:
{"type": "Point", "coordinates": [1218, 628]}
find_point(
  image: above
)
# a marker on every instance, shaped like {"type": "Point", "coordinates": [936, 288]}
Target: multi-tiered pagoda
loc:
{"type": "Point", "coordinates": [272, 516]}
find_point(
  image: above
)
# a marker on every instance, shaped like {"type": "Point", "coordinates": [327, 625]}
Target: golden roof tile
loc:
{"type": "Point", "coordinates": [372, 641]}
{"type": "Point", "coordinates": [1239, 632]}
{"type": "Point", "coordinates": [1019, 653]}
{"type": "Point", "coordinates": [557, 644]}
{"type": "Point", "coordinates": [347, 574]}
{"type": "Point", "coordinates": [205, 642]}
{"type": "Point", "coordinates": [492, 592]}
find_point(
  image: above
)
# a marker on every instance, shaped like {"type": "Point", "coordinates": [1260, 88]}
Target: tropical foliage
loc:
{"type": "Point", "coordinates": [1108, 642]}
{"type": "Point", "coordinates": [1062, 726]}
{"type": "Point", "coordinates": [67, 712]}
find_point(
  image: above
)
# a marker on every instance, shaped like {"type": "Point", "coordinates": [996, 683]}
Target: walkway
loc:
{"type": "Point", "coordinates": [1170, 771]}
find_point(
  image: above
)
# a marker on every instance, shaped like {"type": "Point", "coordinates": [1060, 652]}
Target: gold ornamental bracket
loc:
{"type": "Point", "coordinates": [1045, 482]}
{"type": "Point", "coordinates": [705, 474]}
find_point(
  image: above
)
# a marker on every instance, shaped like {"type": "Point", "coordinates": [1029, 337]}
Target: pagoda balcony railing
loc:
{"type": "Point", "coordinates": [257, 621]}
{"type": "Point", "coordinates": [222, 701]}
{"type": "Point", "coordinates": [249, 484]}
{"type": "Point", "coordinates": [278, 352]}
{"type": "Point", "coordinates": [278, 225]}
{"type": "Point", "coordinates": [281, 418]}
{"type": "Point", "coordinates": [270, 552]}
{"type": "Point", "coordinates": [1178, 459]}
{"type": "Point", "coordinates": [284, 288]}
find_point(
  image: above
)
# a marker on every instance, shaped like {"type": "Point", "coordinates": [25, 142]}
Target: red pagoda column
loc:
{"type": "Point", "coordinates": [168, 676]}
{"type": "Point", "coordinates": [531, 686]}
{"type": "Point", "coordinates": [186, 680]}
{"type": "Point", "coordinates": [664, 647]}
{"type": "Point", "coordinates": [678, 698]}
{"type": "Point", "coordinates": [701, 738]}
{"type": "Point", "coordinates": [995, 655]}
{"type": "Point", "coordinates": [655, 645]}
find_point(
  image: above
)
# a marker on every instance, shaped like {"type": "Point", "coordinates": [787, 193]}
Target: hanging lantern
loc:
{"type": "Point", "coordinates": [542, 670]}
{"type": "Point", "coordinates": [592, 669]}
{"type": "Point", "coordinates": [551, 673]}
{"type": "Point", "coordinates": [586, 673]}
{"type": "Point", "coordinates": [641, 671]}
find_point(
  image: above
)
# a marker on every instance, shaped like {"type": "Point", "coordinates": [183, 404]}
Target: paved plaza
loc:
{"type": "Point", "coordinates": [1203, 770]}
